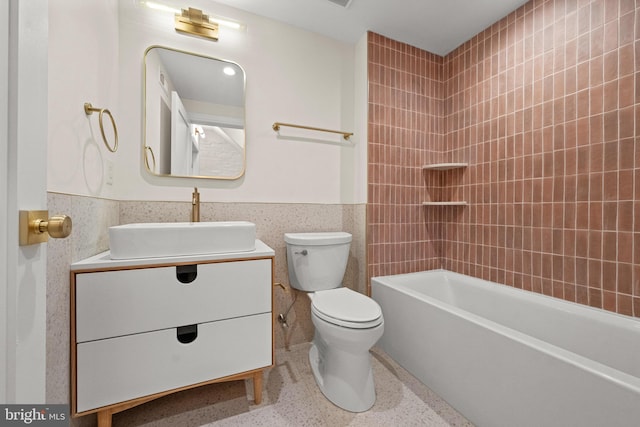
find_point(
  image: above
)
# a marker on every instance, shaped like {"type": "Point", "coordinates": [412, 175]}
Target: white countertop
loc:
{"type": "Point", "coordinates": [103, 260]}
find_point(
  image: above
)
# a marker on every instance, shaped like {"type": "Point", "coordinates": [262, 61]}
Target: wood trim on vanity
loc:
{"type": "Point", "coordinates": [104, 414]}
{"type": "Point", "coordinates": [273, 312]}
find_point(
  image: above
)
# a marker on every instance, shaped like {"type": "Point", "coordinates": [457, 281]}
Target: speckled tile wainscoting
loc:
{"type": "Point", "coordinates": [292, 398]}
{"type": "Point", "coordinates": [91, 218]}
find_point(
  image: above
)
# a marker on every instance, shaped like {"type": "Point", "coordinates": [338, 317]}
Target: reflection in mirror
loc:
{"type": "Point", "coordinates": [194, 115]}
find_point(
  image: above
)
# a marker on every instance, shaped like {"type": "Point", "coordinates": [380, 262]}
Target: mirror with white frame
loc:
{"type": "Point", "coordinates": [194, 115]}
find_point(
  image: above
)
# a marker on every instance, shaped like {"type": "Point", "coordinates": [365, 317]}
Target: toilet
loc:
{"type": "Point", "coordinates": [347, 323]}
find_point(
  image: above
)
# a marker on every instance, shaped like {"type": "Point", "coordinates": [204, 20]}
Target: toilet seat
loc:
{"type": "Point", "coordinates": [346, 308]}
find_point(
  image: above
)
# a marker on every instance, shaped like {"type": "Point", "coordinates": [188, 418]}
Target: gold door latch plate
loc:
{"type": "Point", "coordinates": [37, 227]}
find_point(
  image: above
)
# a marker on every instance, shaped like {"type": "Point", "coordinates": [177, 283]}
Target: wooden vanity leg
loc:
{"type": "Point", "coordinates": [104, 418]}
{"type": "Point", "coordinates": [257, 387]}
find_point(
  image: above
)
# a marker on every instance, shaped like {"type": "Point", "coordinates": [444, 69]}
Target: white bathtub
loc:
{"type": "Point", "coordinates": [506, 357]}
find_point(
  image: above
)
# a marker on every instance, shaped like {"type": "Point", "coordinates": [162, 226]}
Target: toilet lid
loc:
{"type": "Point", "coordinates": [348, 308]}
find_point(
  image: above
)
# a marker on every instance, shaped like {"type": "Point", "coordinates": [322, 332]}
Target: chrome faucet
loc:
{"type": "Point", "coordinates": [195, 205]}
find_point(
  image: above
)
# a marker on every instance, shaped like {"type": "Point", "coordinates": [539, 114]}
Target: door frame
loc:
{"type": "Point", "coordinates": [4, 165]}
{"type": "Point", "coordinates": [24, 130]}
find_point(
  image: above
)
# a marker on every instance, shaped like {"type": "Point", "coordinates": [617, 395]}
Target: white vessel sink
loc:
{"type": "Point", "coordinates": [151, 240]}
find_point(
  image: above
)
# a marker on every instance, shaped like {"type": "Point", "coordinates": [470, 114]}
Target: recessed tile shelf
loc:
{"type": "Point", "coordinates": [445, 167]}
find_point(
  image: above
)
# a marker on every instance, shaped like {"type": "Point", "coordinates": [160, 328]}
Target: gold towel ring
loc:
{"type": "Point", "coordinates": [146, 159]}
{"type": "Point", "coordinates": [88, 110]}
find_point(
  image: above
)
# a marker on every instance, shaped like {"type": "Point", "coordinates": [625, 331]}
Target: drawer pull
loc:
{"type": "Point", "coordinates": [187, 334]}
{"type": "Point", "coordinates": [187, 273]}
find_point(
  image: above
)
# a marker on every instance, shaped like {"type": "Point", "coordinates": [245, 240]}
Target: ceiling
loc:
{"type": "Point", "coordinates": [437, 26]}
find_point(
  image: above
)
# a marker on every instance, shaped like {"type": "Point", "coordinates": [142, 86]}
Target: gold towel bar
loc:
{"type": "Point", "coordinates": [345, 135]}
{"type": "Point", "coordinates": [88, 110]}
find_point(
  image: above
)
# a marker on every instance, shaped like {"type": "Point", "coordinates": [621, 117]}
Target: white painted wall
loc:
{"type": "Point", "coordinates": [83, 67]}
{"type": "Point", "coordinates": [361, 123]}
{"type": "Point", "coordinates": [292, 76]}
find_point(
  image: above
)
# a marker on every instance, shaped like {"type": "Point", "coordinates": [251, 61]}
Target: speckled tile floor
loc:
{"type": "Point", "coordinates": [291, 398]}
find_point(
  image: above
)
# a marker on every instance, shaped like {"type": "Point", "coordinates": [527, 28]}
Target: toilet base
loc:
{"type": "Point", "coordinates": [344, 378]}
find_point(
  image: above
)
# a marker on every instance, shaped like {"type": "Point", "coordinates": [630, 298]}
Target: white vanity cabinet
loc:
{"type": "Point", "coordinates": [141, 329]}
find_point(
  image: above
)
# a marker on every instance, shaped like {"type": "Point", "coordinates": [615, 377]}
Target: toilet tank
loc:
{"type": "Point", "coordinates": [317, 261]}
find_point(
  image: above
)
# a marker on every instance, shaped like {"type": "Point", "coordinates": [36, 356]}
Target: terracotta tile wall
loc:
{"type": "Point", "coordinates": [405, 131]}
{"type": "Point", "coordinates": [543, 106]}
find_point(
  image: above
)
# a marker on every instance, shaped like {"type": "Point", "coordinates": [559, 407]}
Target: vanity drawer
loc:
{"type": "Point", "coordinates": [119, 369]}
{"type": "Point", "coordinates": [122, 302]}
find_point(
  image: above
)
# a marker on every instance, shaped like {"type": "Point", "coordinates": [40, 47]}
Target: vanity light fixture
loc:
{"type": "Point", "coordinates": [229, 71]}
{"type": "Point", "coordinates": [207, 18]}
{"type": "Point", "coordinates": [193, 21]}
